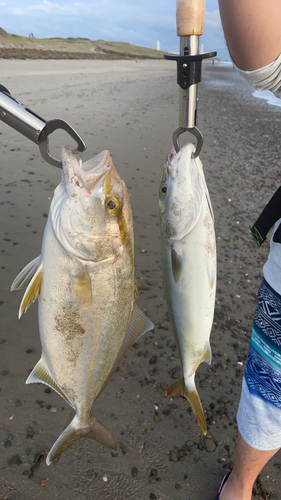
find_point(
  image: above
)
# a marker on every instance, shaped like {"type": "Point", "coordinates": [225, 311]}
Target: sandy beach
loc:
{"type": "Point", "coordinates": [132, 110]}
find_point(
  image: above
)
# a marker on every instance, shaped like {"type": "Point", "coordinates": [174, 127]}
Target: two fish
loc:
{"type": "Point", "coordinates": [86, 288]}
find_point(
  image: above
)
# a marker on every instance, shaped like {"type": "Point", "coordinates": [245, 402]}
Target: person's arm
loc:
{"type": "Point", "coordinates": [252, 29]}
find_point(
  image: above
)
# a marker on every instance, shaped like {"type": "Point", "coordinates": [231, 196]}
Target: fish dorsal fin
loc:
{"type": "Point", "coordinates": [32, 292]}
{"type": "Point", "coordinates": [81, 286]}
{"type": "Point", "coordinates": [40, 375]}
{"type": "Point", "coordinates": [25, 276]}
{"type": "Point", "coordinates": [136, 291]}
{"type": "Point", "coordinates": [176, 264]}
{"type": "Point", "coordinates": [138, 326]}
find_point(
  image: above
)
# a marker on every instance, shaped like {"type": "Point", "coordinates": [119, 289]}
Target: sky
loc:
{"type": "Point", "coordinates": [141, 22]}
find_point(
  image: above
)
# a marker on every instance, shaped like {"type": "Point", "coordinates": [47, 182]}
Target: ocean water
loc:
{"type": "Point", "coordinates": [228, 64]}
{"type": "Point", "coordinates": [268, 96]}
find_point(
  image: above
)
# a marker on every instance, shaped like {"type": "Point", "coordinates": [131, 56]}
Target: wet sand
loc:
{"type": "Point", "coordinates": [132, 110]}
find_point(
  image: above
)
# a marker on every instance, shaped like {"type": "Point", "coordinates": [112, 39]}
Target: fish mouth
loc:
{"type": "Point", "coordinates": [173, 158]}
{"type": "Point", "coordinates": [171, 166]}
{"type": "Point", "coordinates": [90, 174]}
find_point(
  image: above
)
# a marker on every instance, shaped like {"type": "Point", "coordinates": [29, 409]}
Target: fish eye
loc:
{"type": "Point", "coordinates": [113, 204]}
{"type": "Point", "coordinates": [163, 189]}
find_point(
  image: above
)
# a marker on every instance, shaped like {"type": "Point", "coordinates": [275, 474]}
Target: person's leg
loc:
{"type": "Point", "coordinates": [247, 465]}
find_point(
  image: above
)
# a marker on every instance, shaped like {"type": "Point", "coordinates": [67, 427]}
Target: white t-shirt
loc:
{"type": "Point", "coordinates": [266, 78]}
{"type": "Point", "coordinates": [269, 78]}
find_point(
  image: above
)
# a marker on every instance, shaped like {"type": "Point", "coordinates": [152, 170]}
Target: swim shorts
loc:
{"type": "Point", "coordinates": [259, 412]}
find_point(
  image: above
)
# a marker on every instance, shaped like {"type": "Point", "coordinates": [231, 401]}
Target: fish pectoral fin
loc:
{"type": "Point", "coordinates": [32, 292]}
{"type": "Point", "coordinates": [40, 375]}
{"type": "Point", "coordinates": [140, 324]}
{"type": "Point", "coordinates": [189, 391]}
{"type": "Point", "coordinates": [176, 264]}
{"type": "Point", "coordinates": [25, 276]}
{"type": "Point", "coordinates": [81, 286]}
{"type": "Point", "coordinates": [94, 430]}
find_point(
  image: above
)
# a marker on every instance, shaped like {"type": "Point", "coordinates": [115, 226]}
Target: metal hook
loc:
{"type": "Point", "coordinates": [34, 127]}
{"type": "Point", "coordinates": [43, 140]}
{"type": "Point", "coordinates": [194, 131]}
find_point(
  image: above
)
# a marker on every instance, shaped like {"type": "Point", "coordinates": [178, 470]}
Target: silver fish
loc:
{"type": "Point", "coordinates": [189, 266]}
{"type": "Point", "coordinates": [85, 283]}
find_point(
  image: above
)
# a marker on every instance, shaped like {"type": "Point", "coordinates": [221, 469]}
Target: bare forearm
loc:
{"type": "Point", "coordinates": [252, 31]}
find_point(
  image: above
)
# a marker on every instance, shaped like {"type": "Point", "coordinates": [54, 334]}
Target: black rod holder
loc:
{"type": "Point", "coordinates": [189, 68]}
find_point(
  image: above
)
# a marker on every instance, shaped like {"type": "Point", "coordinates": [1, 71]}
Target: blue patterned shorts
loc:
{"type": "Point", "coordinates": [259, 412]}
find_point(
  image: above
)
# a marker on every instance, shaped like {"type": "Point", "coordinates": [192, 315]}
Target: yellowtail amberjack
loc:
{"type": "Point", "coordinates": [189, 266]}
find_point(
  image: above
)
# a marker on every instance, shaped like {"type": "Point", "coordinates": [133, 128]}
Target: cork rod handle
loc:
{"type": "Point", "coordinates": [190, 17]}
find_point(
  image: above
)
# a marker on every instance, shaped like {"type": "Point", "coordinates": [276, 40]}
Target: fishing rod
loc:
{"type": "Point", "coordinates": [34, 127]}
{"type": "Point", "coordinates": [190, 16]}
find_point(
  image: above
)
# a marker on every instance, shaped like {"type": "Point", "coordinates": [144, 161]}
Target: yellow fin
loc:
{"type": "Point", "coordinates": [32, 292]}
{"type": "Point", "coordinates": [207, 356]}
{"type": "Point", "coordinates": [81, 286]}
{"type": "Point", "coordinates": [40, 375]}
{"type": "Point", "coordinates": [176, 264]}
{"type": "Point", "coordinates": [25, 276]}
{"type": "Point", "coordinates": [189, 391]}
{"type": "Point", "coordinates": [140, 324]}
{"type": "Point", "coordinates": [136, 291]}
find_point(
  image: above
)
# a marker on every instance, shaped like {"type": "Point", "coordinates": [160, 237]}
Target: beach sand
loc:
{"type": "Point", "coordinates": [132, 110]}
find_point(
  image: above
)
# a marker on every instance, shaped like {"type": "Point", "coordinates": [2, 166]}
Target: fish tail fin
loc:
{"type": "Point", "coordinates": [93, 430]}
{"type": "Point", "coordinates": [189, 391]}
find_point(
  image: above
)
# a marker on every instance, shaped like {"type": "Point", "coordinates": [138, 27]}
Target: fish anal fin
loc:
{"type": "Point", "coordinates": [81, 286]}
{"type": "Point", "coordinates": [207, 356]}
{"type": "Point", "coordinates": [189, 391]}
{"type": "Point", "coordinates": [140, 324]}
{"type": "Point", "coordinates": [40, 375]}
{"type": "Point", "coordinates": [176, 264]}
{"type": "Point", "coordinates": [176, 389]}
{"type": "Point", "coordinates": [32, 292]}
{"type": "Point", "coordinates": [93, 430]}
{"type": "Point", "coordinates": [25, 276]}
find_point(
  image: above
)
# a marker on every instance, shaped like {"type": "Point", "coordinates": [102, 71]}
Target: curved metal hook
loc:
{"type": "Point", "coordinates": [43, 140]}
{"type": "Point", "coordinates": [194, 131]}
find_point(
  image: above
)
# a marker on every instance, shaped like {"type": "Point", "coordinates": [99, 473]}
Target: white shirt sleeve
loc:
{"type": "Point", "coordinates": [266, 78]}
